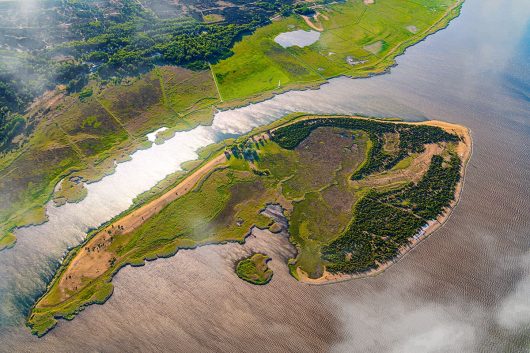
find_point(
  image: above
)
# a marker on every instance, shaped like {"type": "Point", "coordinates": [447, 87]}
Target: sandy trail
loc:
{"type": "Point", "coordinates": [316, 26]}
{"type": "Point", "coordinates": [418, 167]}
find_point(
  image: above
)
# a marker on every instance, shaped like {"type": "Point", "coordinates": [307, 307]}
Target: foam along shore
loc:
{"type": "Point", "coordinates": [464, 151]}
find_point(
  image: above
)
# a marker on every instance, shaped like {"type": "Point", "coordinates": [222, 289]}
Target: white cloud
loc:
{"type": "Point", "coordinates": [514, 312]}
{"type": "Point", "coordinates": [408, 329]}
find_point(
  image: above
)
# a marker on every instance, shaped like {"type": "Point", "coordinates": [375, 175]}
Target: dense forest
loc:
{"type": "Point", "coordinates": [412, 139]}
{"type": "Point", "coordinates": [385, 221]}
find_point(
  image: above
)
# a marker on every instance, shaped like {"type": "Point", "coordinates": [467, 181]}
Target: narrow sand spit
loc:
{"type": "Point", "coordinates": [92, 259]}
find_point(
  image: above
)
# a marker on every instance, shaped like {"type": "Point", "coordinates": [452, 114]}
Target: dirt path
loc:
{"type": "Point", "coordinates": [417, 168]}
{"type": "Point", "coordinates": [317, 27]}
{"type": "Point", "coordinates": [215, 81]}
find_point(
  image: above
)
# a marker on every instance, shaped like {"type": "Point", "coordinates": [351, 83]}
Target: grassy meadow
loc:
{"type": "Point", "coordinates": [357, 40]}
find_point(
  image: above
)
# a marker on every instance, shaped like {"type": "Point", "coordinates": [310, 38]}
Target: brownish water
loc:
{"type": "Point", "coordinates": [466, 289]}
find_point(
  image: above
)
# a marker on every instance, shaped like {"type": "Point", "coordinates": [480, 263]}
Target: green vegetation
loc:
{"type": "Point", "coordinates": [69, 190]}
{"type": "Point", "coordinates": [385, 221]}
{"type": "Point", "coordinates": [254, 269]}
{"type": "Point", "coordinates": [338, 221]}
{"type": "Point", "coordinates": [411, 140]}
{"type": "Point", "coordinates": [85, 93]}
{"type": "Point", "coordinates": [7, 241]}
{"type": "Point", "coordinates": [80, 139]}
{"type": "Point", "coordinates": [357, 40]}
{"type": "Point", "coordinates": [114, 39]}
{"type": "Point", "coordinates": [11, 125]}
{"type": "Point", "coordinates": [80, 135]}
{"type": "Point", "coordinates": [404, 163]}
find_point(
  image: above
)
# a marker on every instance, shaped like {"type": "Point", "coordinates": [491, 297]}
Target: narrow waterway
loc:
{"type": "Point", "coordinates": [466, 289]}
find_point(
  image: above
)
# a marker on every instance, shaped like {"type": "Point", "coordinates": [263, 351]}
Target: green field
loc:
{"type": "Point", "coordinates": [370, 35]}
{"type": "Point", "coordinates": [320, 170]}
{"type": "Point", "coordinates": [254, 269]}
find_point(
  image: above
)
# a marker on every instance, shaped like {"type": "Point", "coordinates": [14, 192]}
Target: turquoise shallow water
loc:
{"type": "Point", "coordinates": [466, 289]}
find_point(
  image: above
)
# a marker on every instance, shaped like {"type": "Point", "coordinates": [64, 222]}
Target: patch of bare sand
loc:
{"type": "Point", "coordinates": [317, 25]}
{"type": "Point", "coordinates": [94, 258]}
{"type": "Point", "coordinates": [417, 168]}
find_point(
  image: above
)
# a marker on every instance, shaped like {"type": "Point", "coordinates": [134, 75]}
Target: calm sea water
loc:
{"type": "Point", "coordinates": [466, 289]}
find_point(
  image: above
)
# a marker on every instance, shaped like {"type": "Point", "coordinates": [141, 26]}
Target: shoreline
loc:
{"type": "Point", "coordinates": [134, 217]}
{"type": "Point", "coordinates": [133, 147]}
{"type": "Point", "coordinates": [431, 227]}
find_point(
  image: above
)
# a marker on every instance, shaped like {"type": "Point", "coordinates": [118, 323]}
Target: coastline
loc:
{"type": "Point", "coordinates": [37, 213]}
{"type": "Point", "coordinates": [315, 85]}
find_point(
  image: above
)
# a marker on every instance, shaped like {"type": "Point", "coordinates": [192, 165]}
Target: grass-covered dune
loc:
{"type": "Point", "coordinates": [254, 269]}
{"type": "Point", "coordinates": [80, 136]}
{"type": "Point", "coordinates": [352, 203]}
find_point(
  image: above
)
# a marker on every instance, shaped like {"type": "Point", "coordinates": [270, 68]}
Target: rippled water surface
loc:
{"type": "Point", "coordinates": [466, 289]}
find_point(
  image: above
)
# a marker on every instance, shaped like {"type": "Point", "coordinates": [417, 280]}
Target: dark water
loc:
{"type": "Point", "coordinates": [466, 289]}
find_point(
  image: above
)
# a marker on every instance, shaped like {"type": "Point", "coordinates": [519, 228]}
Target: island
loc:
{"type": "Point", "coordinates": [358, 193]}
{"type": "Point", "coordinates": [254, 269]}
{"type": "Point", "coordinates": [96, 93]}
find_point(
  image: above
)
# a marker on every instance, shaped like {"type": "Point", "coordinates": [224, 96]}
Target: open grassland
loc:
{"type": "Point", "coordinates": [356, 40]}
{"type": "Point", "coordinates": [254, 269]}
{"type": "Point", "coordinates": [350, 209]}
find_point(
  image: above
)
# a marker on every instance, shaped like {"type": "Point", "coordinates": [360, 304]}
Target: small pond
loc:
{"type": "Point", "coordinates": [299, 38]}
